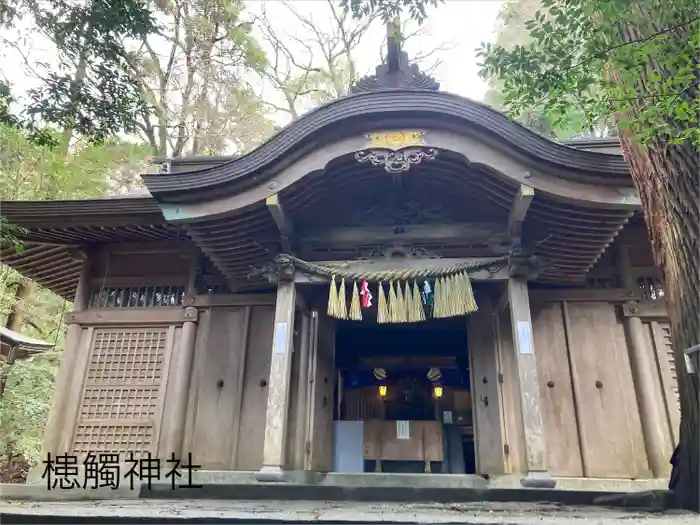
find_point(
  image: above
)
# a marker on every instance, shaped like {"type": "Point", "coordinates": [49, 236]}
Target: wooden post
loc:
{"type": "Point", "coordinates": [300, 438]}
{"type": "Point", "coordinates": [278, 385]}
{"type": "Point", "coordinates": [177, 411]}
{"type": "Point", "coordinates": [535, 440]}
{"type": "Point", "coordinates": [647, 383]}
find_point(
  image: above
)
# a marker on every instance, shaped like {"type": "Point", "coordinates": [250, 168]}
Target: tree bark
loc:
{"type": "Point", "coordinates": [666, 177]}
{"type": "Point", "coordinates": [669, 187]}
{"type": "Point", "coordinates": [15, 319]}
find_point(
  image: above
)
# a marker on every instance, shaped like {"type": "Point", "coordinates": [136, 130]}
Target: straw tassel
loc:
{"type": "Point", "coordinates": [458, 295]}
{"type": "Point", "coordinates": [437, 298]}
{"type": "Point", "coordinates": [452, 298]}
{"type": "Point", "coordinates": [393, 304]}
{"type": "Point", "coordinates": [382, 306]}
{"type": "Point", "coordinates": [469, 301]}
{"type": "Point", "coordinates": [342, 301]}
{"type": "Point", "coordinates": [355, 309]}
{"type": "Point", "coordinates": [415, 304]}
{"type": "Point", "coordinates": [333, 299]}
{"type": "Point", "coordinates": [446, 294]}
{"type": "Point", "coordinates": [401, 306]}
{"type": "Point", "coordinates": [408, 303]}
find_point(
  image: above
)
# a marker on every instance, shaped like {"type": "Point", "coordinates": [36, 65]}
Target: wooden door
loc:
{"type": "Point", "coordinates": [321, 376]}
{"type": "Point", "coordinates": [612, 444]}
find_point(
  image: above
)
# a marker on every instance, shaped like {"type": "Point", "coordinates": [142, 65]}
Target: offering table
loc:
{"type": "Point", "coordinates": [403, 441]}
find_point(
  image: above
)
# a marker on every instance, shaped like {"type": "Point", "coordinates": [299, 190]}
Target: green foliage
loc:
{"type": "Point", "coordinates": [390, 9]}
{"type": "Point", "coordinates": [31, 131]}
{"type": "Point", "coordinates": [31, 171]}
{"type": "Point", "coordinates": [90, 93]}
{"type": "Point", "coordinates": [512, 31]}
{"type": "Point", "coordinates": [589, 59]}
{"type": "Point", "coordinates": [25, 404]}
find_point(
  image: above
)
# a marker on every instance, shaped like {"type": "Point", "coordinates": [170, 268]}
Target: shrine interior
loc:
{"type": "Point", "coordinates": [410, 379]}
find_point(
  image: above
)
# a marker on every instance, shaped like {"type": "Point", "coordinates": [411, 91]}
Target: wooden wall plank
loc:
{"type": "Point", "coordinates": [610, 427]}
{"type": "Point", "coordinates": [252, 426]}
{"type": "Point", "coordinates": [485, 390]}
{"type": "Point", "coordinates": [322, 388]}
{"type": "Point", "coordinates": [290, 456]}
{"type": "Point", "coordinates": [558, 410]}
{"type": "Point", "coordinates": [512, 419]}
{"type": "Point", "coordinates": [200, 355]}
{"type": "Point", "coordinates": [218, 402]}
{"type": "Point", "coordinates": [661, 338]}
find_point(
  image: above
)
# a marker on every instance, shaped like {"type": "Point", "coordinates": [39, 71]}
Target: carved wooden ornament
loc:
{"type": "Point", "coordinates": [397, 151]}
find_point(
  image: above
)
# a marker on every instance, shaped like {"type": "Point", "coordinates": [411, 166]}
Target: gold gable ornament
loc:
{"type": "Point", "coordinates": [397, 151]}
{"type": "Point", "coordinates": [394, 140]}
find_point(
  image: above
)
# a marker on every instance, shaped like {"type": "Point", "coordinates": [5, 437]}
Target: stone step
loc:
{"type": "Point", "coordinates": [366, 493]}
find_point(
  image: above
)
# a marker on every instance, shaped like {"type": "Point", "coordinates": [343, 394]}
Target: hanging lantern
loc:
{"type": "Point", "coordinates": [434, 374]}
{"type": "Point", "coordinates": [379, 373]}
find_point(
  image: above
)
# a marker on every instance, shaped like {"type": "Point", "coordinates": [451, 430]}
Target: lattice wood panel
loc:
{"type": "Point", "coordinates": [651, 287]}
{"type": "Point", "coordinates": [661, 335]}
{"type": "Point", "coordinates": [360, 406]}
{"type": "Point", "coordinates": [123, 391]}
{"type": "Point", "coordinates": [137, 296]}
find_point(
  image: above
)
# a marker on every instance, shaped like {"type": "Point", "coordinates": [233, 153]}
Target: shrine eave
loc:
{"type": "Point", "coordinates": [387, 109]}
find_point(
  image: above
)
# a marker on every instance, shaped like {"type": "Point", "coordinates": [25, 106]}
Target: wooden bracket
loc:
{"type": "Point", "coordinates": [284, 224]}
{"type": "Point", "coordinates": [521, 204]}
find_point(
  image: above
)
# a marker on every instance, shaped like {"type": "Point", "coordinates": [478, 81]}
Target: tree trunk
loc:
{"type": "Point", "coordinates": [669, 187]}
{"type": "Point", "coordinates": [666, 177]}
{"type": "Point", "coordinates": [15, 319]}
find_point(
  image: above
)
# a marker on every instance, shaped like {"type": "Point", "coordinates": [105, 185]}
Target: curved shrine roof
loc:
{"type": "Point", "coordinates": [397, 97]}
{"type": "Point", "coordinates": [390, 109]}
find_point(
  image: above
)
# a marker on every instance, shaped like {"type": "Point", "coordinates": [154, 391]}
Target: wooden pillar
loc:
{"type": "Point", "coordinates": [172, 443]}
{"type": "Point", "coordinates": [300, 438]}
{"type": "Point", "coordinates": [647, 383]}
{"type": "Point", "coordinates": [59, 428]}
{"type": "Point", "coordinates": [278, 384]}
{"type": "Point", "coordinates": [535, 440]}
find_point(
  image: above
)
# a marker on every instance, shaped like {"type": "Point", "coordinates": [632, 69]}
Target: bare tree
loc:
{"type": "Point", "coordinates": [194, 77]}
{"type": "Point", "coordinates": [312, 56]}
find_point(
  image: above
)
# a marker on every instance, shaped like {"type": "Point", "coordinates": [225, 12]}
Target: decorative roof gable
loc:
{"type": "Point", "coordinates": [396, 72]}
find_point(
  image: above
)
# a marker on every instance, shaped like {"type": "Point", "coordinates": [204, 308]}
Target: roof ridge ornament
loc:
{"type": "Point", "coordinates": [396, 72]}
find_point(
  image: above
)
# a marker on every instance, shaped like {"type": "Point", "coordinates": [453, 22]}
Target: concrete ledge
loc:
{"type": "Point", "coordinates": [311, 486]}
{"type": "Point", "coordinates": [374, 479]}
{"type": "Point", "coordinates": [369, 493]}
{"type": "Point", "coordinates": [512, 481]}
{"type": "Point", "coordinates": [37, 492]}
{"type": "Point", "coordinates": [278, 512]}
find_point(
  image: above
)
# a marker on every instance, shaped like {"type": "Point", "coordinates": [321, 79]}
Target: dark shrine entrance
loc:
{"type": "Point", "coordinates": [403, 393]}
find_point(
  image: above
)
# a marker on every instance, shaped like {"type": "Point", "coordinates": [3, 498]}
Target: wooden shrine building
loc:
{"type": "Point", "coordinates": [539, 347]}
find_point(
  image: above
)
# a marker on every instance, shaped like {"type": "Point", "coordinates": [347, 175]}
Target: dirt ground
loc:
{"type": "Point", "coordinates": [466, 514]}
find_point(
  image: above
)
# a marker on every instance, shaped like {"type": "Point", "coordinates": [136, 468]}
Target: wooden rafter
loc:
{"type": "Point", "coordinates": [518, 211]}
{"type": "Point", "coordinates": [284, 223]}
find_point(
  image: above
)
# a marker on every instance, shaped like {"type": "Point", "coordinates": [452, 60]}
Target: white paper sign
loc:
{"type": "Point", "coordinates": [280, 338]}
{"type": "Point", "coordinates": [403, 430]}
{"type": "Point", "coordinates": [447, 417]}
{"type": "Point", "coordinates": [525, 337]}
